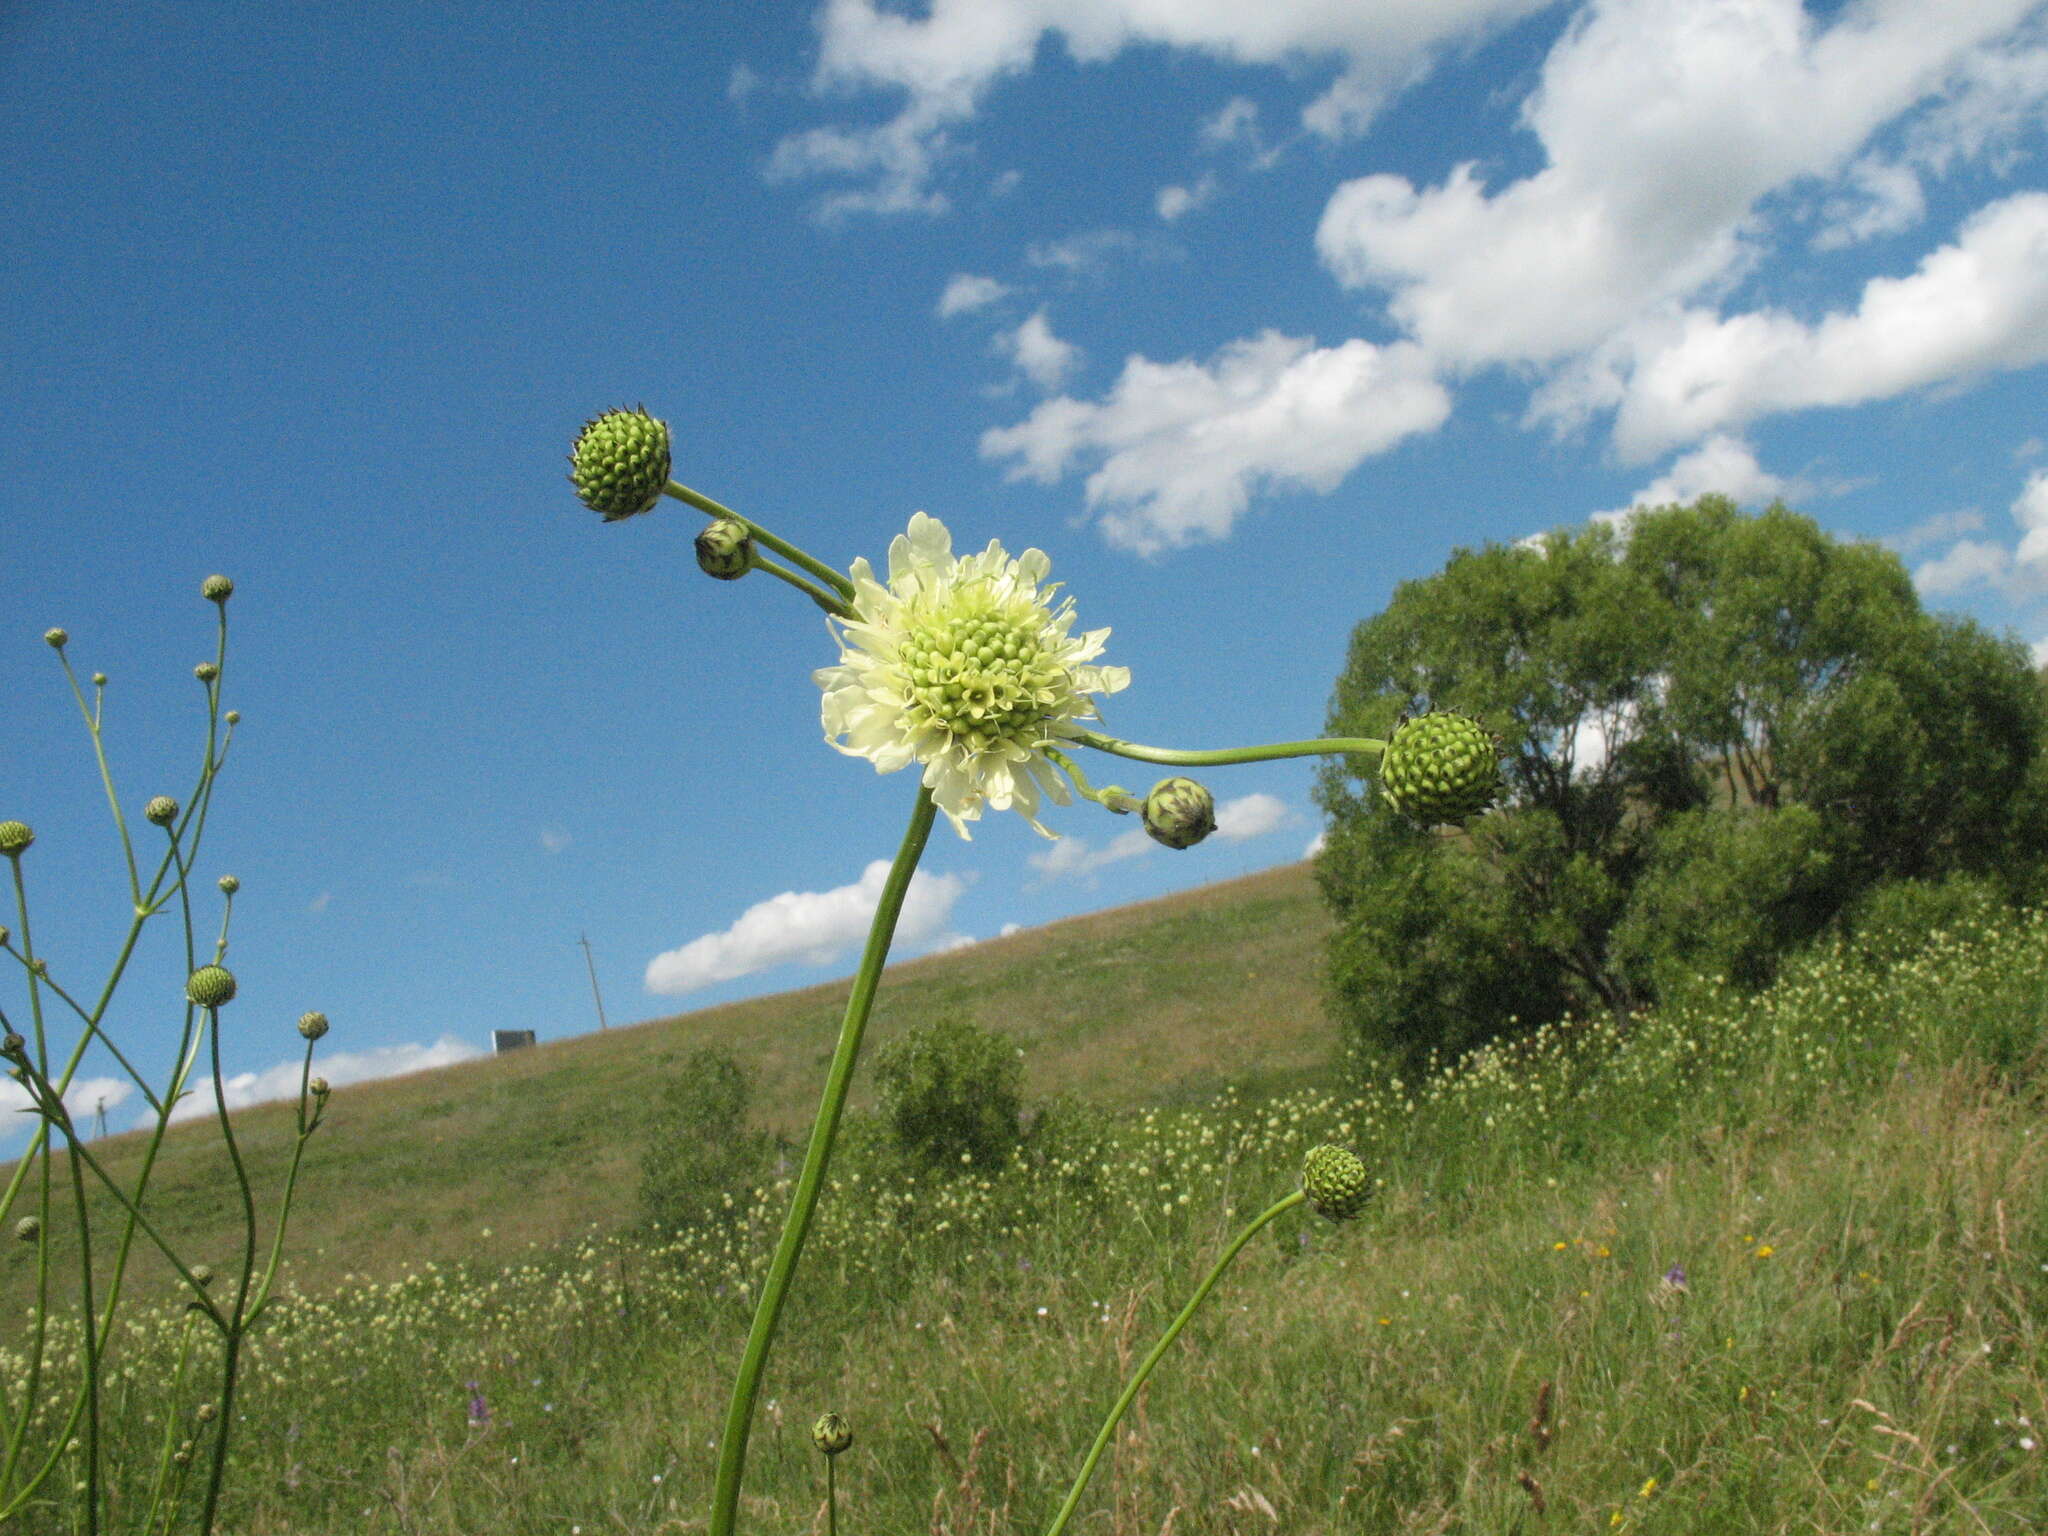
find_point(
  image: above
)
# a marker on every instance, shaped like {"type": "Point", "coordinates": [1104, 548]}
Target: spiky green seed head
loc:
{"type": "Point", "coordinates": [161, 811]}
{"type": "Point", "coordinates": [831, 1434]}
{"type": "Point", "coordinates": [28, 1229]}
{"type": "Point", "coordinates": [1335, 1182]}
{"type": "Point", "coordinates": [229, 885]}
{"type": "Point", "coordinates": [206, 671]}
{"type": "Point", "coordinates": [216, 589]}
{"type": "Point", "coordinates": [211, 986]}
{"type": "Point", "coordinates": [313, 1025]}
{"type": "Point", "coordinates": [15, 836]}
{"type": "Point", "coordinates": [1179, 813]}
{"type": "Point", "coordinates": [1440, 767]}
{"type": "Point", "coordinates": [725, 549]}
{"type": "Point", "coordinates": [318, 1088]}
{"type": "Point", "coordinates": [12, 1046]}
{"type": "Point", "coordinates": [55, 638]}
{"type": "Point", "coordinates": [620, 463]}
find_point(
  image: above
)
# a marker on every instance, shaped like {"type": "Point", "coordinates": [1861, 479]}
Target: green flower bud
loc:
{"type": "Point", "coordinates": [1335, 1182]}
{"type": "Point", "coordinates": [55, 638]}
{"type": "Point", "coordinates": [313, 1025]}
{"type": "Point", "coordinates": [620, 463]}
{"type": "Point", "coordinates": [211, 986]}
{"type": "Point", "coordinates": [99, 679]}
{"type": "Point", "coordinates": [4, 933]}
{"type": "Point", "coordinates": [206, 671]}
{"type": "Point", "coordinates": [216, 589]}
{"type": "Point", "coordinates": [161, 811]}
{"type": "Point", "coordinates": [28, 1229]}
{"type": "Point", "coordinates": [1440, 767]}
{"type": "Point", "coordinates": [229, 885]}
{"type": "Point", "coordinates": [12, 1045]}
{"type": "Point", "coordinates": [1179, 813]}
{"type": "Point", "coordinates": [318, 1088]}
{"type": "Point", "coordinates": [831, 1434]}
{"type": "Point", "coordinates": [182, 1457]}
{"type": "Point", "coordinates": [15, 836]}
{"type": "Point", "coordinates": [725, 549]}
{"type": "Point", "coordinates": [202, 1275]}
{"type": "Point", "coordinates": [233, 717]}
{"type": "Point", "coordinates": [206, 1413]}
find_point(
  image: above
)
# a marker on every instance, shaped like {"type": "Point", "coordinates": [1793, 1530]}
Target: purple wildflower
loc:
{"type": "Point", "coordinates": [1675, 1277]}
{"type": "Point", "coordinates": [479, 1410]}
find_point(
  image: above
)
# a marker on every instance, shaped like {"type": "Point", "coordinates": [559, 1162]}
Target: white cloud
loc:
{"type": "Point", "coordinates": [554, 839]}
{"type": "Point", "coordinates": [1237, 119]}
{"type": "Point", "coordinates": [1663, 122]}
{"type": "Point", "coordinates": [319, 903]}
{"type": "Point", "coordinates": [966, 293]}
{"type": "Point", "coordinates": [1977, 304]}
{"type": "Point", "coordinates": [1182, 445]}
{"type": "Point", "coordinates": [1174, 202]}
{"type": "Point", "coordinates": [1938, 529]}
{"type": "Point", "coordinates": [2019, 573]}
{"type": "Point", "coordinates": [1073, 857]}
{"type": "Point", "coordinates": [741, 83]}
{"type": "Point", "coordinates": [82, 1101]}
{"type": "Point", "coordinates": [1250, 816]}
{"type": "Point", "coordinates": [1091, 250]}
{"type": "Point", "coordinates": [281, 1081]}
{"type": "Point", "coordinates": [2030, 511]}
{"type": "Point", "coordinates": [813, 927]}
{"type": "Point", "coordinates": [1316, 844]}
{"type": "Point", "coordinates": [1722, 465]}
{"type": "Point", "coordinates": [1968, 563]}
{"type": "Point", "coordinates": [2041, 653]}
{"type": "Point", "coordinates": [1042, 356]}
{"type": "Point", "coordinates": [945, 60]}
{"type": "Point", "coordinates": [1008, 929]}
{"type": "Point", "coordinates": [1886, 199]}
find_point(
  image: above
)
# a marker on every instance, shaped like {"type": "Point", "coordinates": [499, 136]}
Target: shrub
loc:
{"type": "Point", "coordinates": [949, 1087]}
{"type": "Point", "coordinates": [698, 1148]}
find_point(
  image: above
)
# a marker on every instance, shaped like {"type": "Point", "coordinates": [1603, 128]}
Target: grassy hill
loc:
{"type": "Point", "coordinates": [1160, 1002]}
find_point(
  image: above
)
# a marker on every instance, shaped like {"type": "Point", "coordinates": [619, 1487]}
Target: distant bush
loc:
{"type": "Point", "coordinates": [698, 1148]}
{"type": "Point", "coordinates": [1892, 921]}
{"type": "Point", "coordinates": [949, 1087]}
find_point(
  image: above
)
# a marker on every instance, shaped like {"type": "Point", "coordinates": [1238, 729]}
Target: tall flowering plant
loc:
{"type": "Point", "coordinates": [966, 668]}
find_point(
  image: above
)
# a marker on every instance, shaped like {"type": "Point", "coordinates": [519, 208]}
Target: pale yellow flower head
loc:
{"type": "Point", "coordinates": [965, 666]}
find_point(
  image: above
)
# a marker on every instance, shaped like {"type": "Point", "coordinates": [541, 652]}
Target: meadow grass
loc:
{"type": "Point", "coordinates": [1845, 1169]}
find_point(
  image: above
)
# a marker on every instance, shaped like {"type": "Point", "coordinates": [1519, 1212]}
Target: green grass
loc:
{"type": "Point", "coordinates": [1848, 1168]}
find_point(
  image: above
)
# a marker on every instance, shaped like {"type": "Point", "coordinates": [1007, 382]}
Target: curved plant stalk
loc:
{"type": "Point", "coordinates": [739, 1418]}
{"type": "Point", "coordinates": [1225, 756]}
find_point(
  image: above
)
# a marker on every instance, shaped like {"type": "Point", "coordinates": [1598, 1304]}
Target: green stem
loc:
{"type": "Point", "coordinates": [1138, 1379]}
{"type": "Point", "coordinates": [831, 1499]}
{"type": "Point", "coordinates": [1227, 755]}
{"type": "Point", "coordinates": [763, 537]}
{"type": "Point", "coordinates": [1112, 796]}
{"type": "Point", "coordinates": [814, 592]}
{"type": "Point", "coordinates": [739, 1418]}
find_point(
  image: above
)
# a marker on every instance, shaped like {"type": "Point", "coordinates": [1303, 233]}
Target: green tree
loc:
{"type": "Point", "coordinates": [1724, 662]}
{"type": "Point", "coordinates": [947, 1087]}
{"type": "Point", "coordinates": [698, 1150]}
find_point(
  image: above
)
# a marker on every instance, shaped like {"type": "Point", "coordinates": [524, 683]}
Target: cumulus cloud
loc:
{"type": "Point", "coordinates": [1723, 465]}
{"type": "Point", "coordinates": [1175, 201]}
{"type": "Point", "coordinates": [944, 61]}
{"type": "Point", "coordinates": [1977, 304]}
{"type": "Point", "coordinates": [966, 293]}
{"type": "Point", "coordinates": [1181, 446]}
{"type": "Point", "coordinates": [1316, 844]}
{"type": "Point", "coordinates": [1250, 816]}
{"type": "Point", "coordinates": [1043, 357]}
{"type": "Point", "coordinates": [1074, 857]}
{"type": "Point", "coordinates": [1883, 198]}
{"type": "Point", "coordinates": [281, 1081]}
{"type": "Point", "coordinates": [2019, 573]}
{"type": "Point", "coordinates": [811, 927]}
{"type": "Point", "coordinates": [83, 1101]}
{"type": "Point", "coordinates": [1236, 121]}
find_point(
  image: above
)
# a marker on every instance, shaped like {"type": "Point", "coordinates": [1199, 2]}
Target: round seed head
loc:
{"type": "Point", "coordinates": [831, 1434]}
{"type": "Point", "coordinates": [206, 671]}
{"type": "Point", "coordinates": [313, 1025]}
{"type": "Point", "coordinates": [233, 717]}
{"type": "Point", "coordinates": [229, 885]}
{"type": "Point", "coordinates": [206, 1413]}
{"type": "Point", "coordinates": [1179, 813]}
{"type": "Point", "coordinates": [1440, 767]}
{"type": "Point", "coordinates": [620, 463]}
{"type": "Point", "coordinates": [725, 549]}
{"type": "Point", "coordinates": [99, 679]}
{"type": "Point", "coordinates": [12, 1046]}
{"type": "Point", "coordinates": [211, 986]}
{"type": "Point", "coordinates": [318, 1088]}
{"type": "Point", "coordinates": [1335, 1182]}
{"type": "Point", "coordinates": [202, 1274]}
{"type": "Point", "coordinates": [55, 638]}
{"type": "Point", "coordinates": [161, 811]}
{"type": "Point", "coordinates": [15, 836]}
{"type": "Point", "coordinates": [28, 1229]}
{"type": "Point", "coordinates": [216, 589]}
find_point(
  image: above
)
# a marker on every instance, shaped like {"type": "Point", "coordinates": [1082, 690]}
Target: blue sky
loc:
{"type": "Point", "coordinates": [1243, 314]}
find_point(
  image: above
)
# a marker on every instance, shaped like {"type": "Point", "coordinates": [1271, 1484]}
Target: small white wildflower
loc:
{"type": "Point", "coordinates": [965, 666]}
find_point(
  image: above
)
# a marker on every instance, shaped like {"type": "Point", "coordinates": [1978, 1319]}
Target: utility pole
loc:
{"type": "Point", "coordinates": [584, 940]}
{"type": "Point", "coordinates": [99, 1119]}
